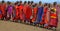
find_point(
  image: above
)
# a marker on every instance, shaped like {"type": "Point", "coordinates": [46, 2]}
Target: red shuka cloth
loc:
{"type": "Point", "coordinates": [34, 14]}
{"type": "Point", "coordinates": [28, 12]}
{"type": "Point", "coordinates": [21, 12]}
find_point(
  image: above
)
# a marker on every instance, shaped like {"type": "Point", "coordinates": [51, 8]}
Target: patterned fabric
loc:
{"type": "Point", "coordinates": [53, 19]}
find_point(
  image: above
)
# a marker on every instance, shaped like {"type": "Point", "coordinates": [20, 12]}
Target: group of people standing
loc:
{"type": "Point", "coordinates": [44, 14]}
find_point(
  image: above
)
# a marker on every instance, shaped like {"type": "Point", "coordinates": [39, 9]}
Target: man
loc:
{"type": "Point", "coordinates": [3, 9]}
{"type": "Point", "coordinates": [28, 12]}
{"type": "Point", "coordinates": [39, 14]}
{"type": "Point", "coordinates": [20, 7]}
{"type": "Point", "coordinates": [16, 12]}
{"type": "Point", "coordinates": [34, 13]}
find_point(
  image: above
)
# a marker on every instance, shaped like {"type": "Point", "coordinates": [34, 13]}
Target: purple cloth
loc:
{"type": "Point", "coordinates": [10, 8]}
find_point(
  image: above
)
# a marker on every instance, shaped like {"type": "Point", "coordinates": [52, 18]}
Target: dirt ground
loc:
{"type": "Point", "coordinates": [11, 26]}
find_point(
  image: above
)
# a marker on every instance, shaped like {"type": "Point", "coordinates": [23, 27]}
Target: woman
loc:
{"type": "Point", "coordinates": [53, 17]}
{"type": "Point", "coordinates": [9, 11]}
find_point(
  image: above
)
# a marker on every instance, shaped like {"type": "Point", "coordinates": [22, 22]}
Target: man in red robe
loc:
{"type": "Point", "coordinates": [15, 12]}
{"type": "Point", "coordinates": [34, 13]}
{"type": "Point", "coordinates": [20, 11]}
{"type": "Point", "coordinates": [28, 12]}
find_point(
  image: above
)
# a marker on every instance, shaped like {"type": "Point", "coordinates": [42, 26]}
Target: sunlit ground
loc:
{"type": "Point", "coordinates": [10, 26]}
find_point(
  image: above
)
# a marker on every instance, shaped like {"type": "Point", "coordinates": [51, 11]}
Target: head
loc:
{"type": "Point", "coordinates": [3, 2]}
{"type": "Point", "coordinates": [29, 3]}
{"type": "Point", "coordinates": [55, 3]}
{"type": "Point", "coordinates": [35, 4]}
{"type": "Point", "coordinates": [32, 2]}
{"type": "Point", "coordinates": [46, 4]}
{"type": "Point", "coordinates": [16, 3]}
{"type": "Point", "coordinates": [40, 3]}
{"type": "Point", "coordinates": [25, 2]}
{"type": "Point", "coordinates": [20, 2]}
{"type": "Point", "coordinates": [9, 3]}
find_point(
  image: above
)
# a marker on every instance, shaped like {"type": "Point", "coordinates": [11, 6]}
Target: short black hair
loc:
{"type": "Point", "coordinates": [32, 2]}
{"type": "Point", "coordinates": [29, 2]}
{"type": "Point", "coordinates": [20, 1]}
{"type": "Point", "coordinates": [35, 4]}
{"type": "Point", "coordinates": [25, 2]}
{"type": "Point", "coordinates": [16, 2]}
{"type": "Point", "coordinates": [40, 2]}
{"type": "Point", "coordinates": [3, 1]}
{"type": "Point", "coordinates": [8, 2]}
{"type": "Point", "coordinates": [46, 4]}
{"type": "Point", "coordinates": [54, 3]}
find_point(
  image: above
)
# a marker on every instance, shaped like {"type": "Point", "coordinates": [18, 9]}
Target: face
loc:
{"type": "Point", "coordinates": [40, 3]}
{"type": "Point", "coordinates": [54, 4]}
{"type": "Point", "coordinates": [20, 2]}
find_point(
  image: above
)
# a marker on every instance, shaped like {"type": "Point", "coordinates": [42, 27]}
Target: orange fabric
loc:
{"type": "Point", "coordinates": [3, 8]}
{"type": "Point", "coordinates": [35, 10]}
{"type": "Point", "coordinates": [24, 9]}
{"type": "Point", "coordinates": [45, 19]}
{"type": "Point", "coordinates": [21, 11]}
{"type": "Point", "coordinates": [17, 12]}
{"type": "Point", "coordinates": [28, 12]}
{"type": "Point", "coordinates": [35, 14]}
{"type": "Point", "coordinates": [53, 15]}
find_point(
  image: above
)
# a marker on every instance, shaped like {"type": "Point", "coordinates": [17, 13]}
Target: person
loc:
{"type": "Point", "coordinates": [24, 10]}
{"type": "Point", "coordinates": [34, 13]}
{"type": "Point", "coordinates": [28, 12]}
{"type": "Point", "coordinates": [39, 14]}
{"type": "Point", "coordinates": [9, 10]}
{"type": "Point", "coordinates": [45, 16]}
{"type": "Point", "coordinates": [53, 16]}
{"type": "Point", "coordinates": [3, 9]}
{"type": "Point", "coordinates": [15, 12]}
{"type": "Point", "coordinates": [20, 6]}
